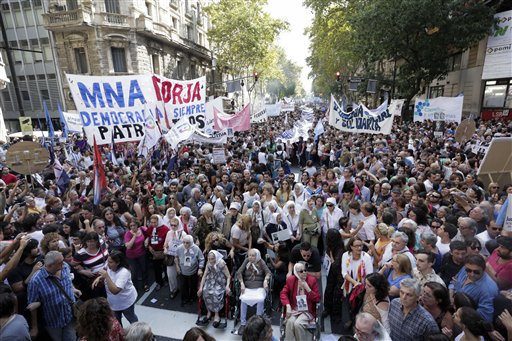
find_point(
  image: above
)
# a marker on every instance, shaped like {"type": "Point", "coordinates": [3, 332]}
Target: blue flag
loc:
{"type": "Point", "coordinates": [51, 131]}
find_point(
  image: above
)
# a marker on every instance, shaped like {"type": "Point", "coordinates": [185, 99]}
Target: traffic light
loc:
{"type": "Point", "coordinates": [338, 76]}
{"type": "Point", "coordinates": [255, 75]}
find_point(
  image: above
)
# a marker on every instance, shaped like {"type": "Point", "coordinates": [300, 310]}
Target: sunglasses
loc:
{"type": "Point", "coordinates": [476, 272]}
{"type": "Point", "coordinates": [174, 224]}
{"type": "Point", "coordinates": [301, 271]}
{"type": "Point", "coordinates": [329, 205]}
{"type": "Point", "coordinates": [476, 247]}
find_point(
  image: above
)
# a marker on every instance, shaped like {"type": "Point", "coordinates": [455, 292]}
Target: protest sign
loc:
{"type": "Point", "coordinates": [260, 116]}
{"type": "Point", "coordinates": [273, 109]}
{"type": "Point", "coordinates": [361, 119]}
{"type": "Point", "coordinates": [73, 122]}
{"type": "Point", "coordinates": [447, 109]}
{"type": "Point", "coordinates": [218, 137]}
{"type": "Point", "coordinates": [180, 132]}
{"type": "Point", "coordinates": [218, 156]}
{"type": "Point", "coordinates": [26, 124]}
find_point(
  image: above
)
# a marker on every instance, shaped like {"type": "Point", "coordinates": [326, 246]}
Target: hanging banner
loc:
{"type": "Point", "coordinates": [361, 119]}
{"type": "Point", "coordinates": [73, 122]}
{"type": "Point", "coordinates": [218, 156]}
{"type": "Point", "coordinates": [115, 106]}
{"type": "Point", "coordinates": [273, 109]}
{"type": "Point", "coordinates": [395, 107]}
{"type": "Point", "coordinates": [239, 122]}
{"type": "Point", "coordinates": [499, 48]}
{"type": "Point", "coordinates": [447, 109]}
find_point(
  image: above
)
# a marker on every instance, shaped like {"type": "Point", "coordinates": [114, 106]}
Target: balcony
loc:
{"type": "Point", "coordinates": [114, 20]}
{"type": "Point", "coordinates": [61, 20]}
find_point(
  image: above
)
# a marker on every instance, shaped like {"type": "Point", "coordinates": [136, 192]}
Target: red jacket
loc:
{"type": "Point", "coordinates": [289, 293]}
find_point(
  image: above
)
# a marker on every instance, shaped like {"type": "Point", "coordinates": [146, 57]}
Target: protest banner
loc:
{"type": "Point", "coordinates": [218, 137]}
{"type": "Point", "coordinates": [114, 107]}
{"type": "Point", "coordinates": [26, 124]}
{"type": "Point", "coordinates": [273, 109]}
{"type": "Point", "coordinates": [361, 119]}
{"type": "Point", "coordinates": [395, 107]}
{"type": "Point", "coordinates": [496, 165]}
{"type": "Point", "coordinates": [240, 121]}
{"type": "Point", "coordinates": [447, 109]}
{"type": "Point", "coordinates": [260, 116]}
{"type": "Point", "coordinates": [73, 122]}
{"type": "Point", "coordinates": [177, 99]}
{"type": "Point", "coordinates": [499, 53]}
{"type": "Point", "coordinates": [179, 132]}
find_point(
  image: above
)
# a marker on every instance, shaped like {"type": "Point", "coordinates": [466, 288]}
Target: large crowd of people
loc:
{"type": "Point", "coordinates": [406, 233]}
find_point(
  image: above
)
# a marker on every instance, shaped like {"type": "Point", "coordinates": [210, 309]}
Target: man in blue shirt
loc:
{"type": "Point", "coordinates": [57, 310]}
{"type": "Point", "coordinates": [477, 284]}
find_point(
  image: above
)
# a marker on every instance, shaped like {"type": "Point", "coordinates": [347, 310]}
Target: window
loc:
{"type": "Point", "coordinates": [71, 5]}
{"type": "Point", "coordinates": [119, 59]}
{"type": "Point", "coordinates": [155, 61]}
{"type": "Point", "coordinates": [8, 20]}
{"type": "Point", "coordinates": [81, 60]}
{"type": "Point", "coordinates": [45, 95]}
{"type": "Point", "coordinates": [179, 66]}
{"type": "Point", "coordinates": [149, 9]}
{"type": "Point", "coordinates": [5, 7]}
{"type": "Point", "coordinates": [31, 77]}
{"type": "Point", "coordinates": [51, 76]}
{"type": "Point", "coordinates": [494, 96]}
{"type": "Point", "coordinates": [21, 78]}
{"type": "Point", "coordinates": [454, 62]}
{"type": "Point", "coordinates": [436, 91]}
{"type": "Point", "coordinates": [41, 77]}
{"type": "Point", "coordinates": [5, 96]}
{"type": "Point", "coordinates": [47, 53]}
{"type": "Point", "coordinates": [175, 23]}
{"type": "Point", "coordinates": [189, 33]}
{"type": "Point", "coordinates": [19, 18]}
{"type": "Point", "coordinates": [112, 6]}
{"type": "Point", "coordinates": [25, 95]}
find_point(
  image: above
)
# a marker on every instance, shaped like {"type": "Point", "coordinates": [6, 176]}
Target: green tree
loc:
{"type": "Point", "coordinates": [420, 34]}
{"type": "Point", "coordinates": [287, 84]}
{"type": "Point", "coordinates": [243, 36]}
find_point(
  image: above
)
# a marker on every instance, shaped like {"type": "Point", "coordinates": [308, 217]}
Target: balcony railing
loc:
{"type": "Point", "coordinates": [115, 19]}
{"type": "Point", "coordinates": [67, 18]}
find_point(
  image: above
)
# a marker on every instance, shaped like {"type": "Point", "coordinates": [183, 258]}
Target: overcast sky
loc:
{"type": "Point", "coordinates": [294, 42]}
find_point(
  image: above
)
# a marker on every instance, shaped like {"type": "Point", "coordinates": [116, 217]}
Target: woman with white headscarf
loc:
{"type": "Point", "coordinates": [253, 276]}
{"type": "Point", "coordinates": [214, 284]}
{"type": "Point", "coordinates": [299, 195]}
{"type": "Point", "coordinates": [169, 214]}
{"type": "Point", "coordinates": [300, 296]}
{"type": "Point", "coordinates": [291, 218]}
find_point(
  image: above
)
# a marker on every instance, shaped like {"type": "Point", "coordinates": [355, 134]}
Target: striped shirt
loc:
{"type": "Point", "coordinates": [95, 262]}
{"type": "Point", "coordinates": [57, 312]}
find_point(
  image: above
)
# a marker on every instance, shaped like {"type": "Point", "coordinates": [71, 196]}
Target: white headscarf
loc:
{"type": "Point", "coordinates": [296, 269]}
{"type": "Point", "coordinates": [259, 204]}
{"type": "Point", "coordinates": [218, 259]}
{"type": "Point", "coordinates": [253, 265]}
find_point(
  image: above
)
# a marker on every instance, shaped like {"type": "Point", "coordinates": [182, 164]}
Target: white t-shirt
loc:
{"type": "Point", "coordinates": [443, 248]}
{"type": "Point", "coordinates": [241, 235]}
{"type": "Point", "coordinates": [128, 294]}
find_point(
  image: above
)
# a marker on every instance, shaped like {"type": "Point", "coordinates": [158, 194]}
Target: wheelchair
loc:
{"type": "Point", "coordinates": [313, 327]}
{"type": "Point", "coordinates": [236, 292]}
{"type": "Point", "coordinates": [226, 310]}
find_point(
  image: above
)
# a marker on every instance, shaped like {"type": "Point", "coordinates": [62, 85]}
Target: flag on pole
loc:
{"type": "Point", "coordinates": [51, 131]}
{"type": "Point", "coordinates": [152, 134]}
{"type": "Point", "coordinates": [63, 123]}
{"type": "Point", "coordinates": [61, 177]}
{"type": "Point", "coordinates": [113, 156]}
{"type": "Point", "coordinates": [100, 179]}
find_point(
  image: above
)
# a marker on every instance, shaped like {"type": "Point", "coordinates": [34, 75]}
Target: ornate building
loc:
{"type": "Point", "coordinates": [121, 37]}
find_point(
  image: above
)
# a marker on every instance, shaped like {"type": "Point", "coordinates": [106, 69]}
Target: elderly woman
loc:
{"type": "Point", "coordinates": [155, 235]}
{"type": "Point", "coordinates": [205, 224]}
{"type": "Point", "coordinates": [188, 221]}
{"type": "Point", "coordinates": [189, 264]}
{"type": "Point", "coordinates": [214, 284]}
{"type": "Point", "coordinates": [253, 276]}
{"type": "Point", "coordinates": [309, 225]}
{"type": "Point", "coordinates": [299, 196]}
{"type": "Point", "coordinates": [170, 214]}
{"type": "Point", "coordinates": [291, 218]}
{"type": "Point", "coordinates": [300, 296]}
{"type": "Point", "coordinates": [173, 239]}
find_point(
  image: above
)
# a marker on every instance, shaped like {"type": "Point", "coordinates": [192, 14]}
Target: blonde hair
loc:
{"type": "Point", "coordinates": [244, 222]}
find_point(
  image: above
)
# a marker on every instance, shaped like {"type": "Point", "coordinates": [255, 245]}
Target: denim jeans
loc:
{"type": "Point", "coordinates": [66, 333]}
{"type": "Point", "coordinates": [260, 306]}
{"type": "Point", "coordinates": [138, 267]}
{"type": "Point", "coordinates": [129, 313]}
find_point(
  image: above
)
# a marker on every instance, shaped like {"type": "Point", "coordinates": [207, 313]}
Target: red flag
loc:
{"type": "Point", "coordinates": [239, 122]}
{"type": "Point", "coordinates": [100, 179]}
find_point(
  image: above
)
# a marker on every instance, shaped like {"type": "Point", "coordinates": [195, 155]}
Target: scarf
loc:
{"type": "Point", "coordinates": [251, 264]}
{"type": "Point", "coordinates": [218, 259]}
{"type": "Point", "coordinates": [358, 276]}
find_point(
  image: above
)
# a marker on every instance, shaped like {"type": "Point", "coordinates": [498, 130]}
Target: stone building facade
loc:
{"type": "Point", "coordinates": [123, 37]}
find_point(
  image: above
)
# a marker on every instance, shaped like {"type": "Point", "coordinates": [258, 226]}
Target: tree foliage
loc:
{"type": "Point", "coordinates": [420, 34]}
{"type": "Point", "coordinates": [287, 84]}
{"type": "Point", "coordinates": [243, 36]}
